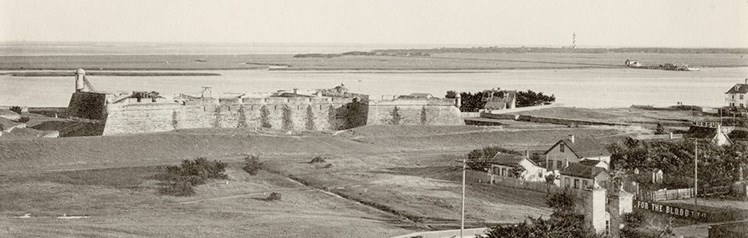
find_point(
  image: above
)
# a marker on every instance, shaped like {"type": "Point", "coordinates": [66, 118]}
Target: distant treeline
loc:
{"type": "Point", "coordinates": [473, 102]}
{"type": "Point", "coordinates": [105, 73]}
{"type": "Point", "coordinates": [496, 49]}
{"type": "Point", "coordinates": [362, 53]}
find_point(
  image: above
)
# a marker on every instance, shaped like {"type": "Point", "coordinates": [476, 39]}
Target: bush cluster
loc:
{"type": "Point", "coordinates": [179, 180]}
{"type": "Point", "coordinates": [16, 109]}
{"type": "Point", "coordinates": [317, 160]}
{"type": "Point", "coordinates": [252, 164]}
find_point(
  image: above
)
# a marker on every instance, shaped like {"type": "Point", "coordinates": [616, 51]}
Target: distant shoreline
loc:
{"type": "Point", "coordinates": [104, 73]}
{"type": "Point", "coordinates": [381, 62]}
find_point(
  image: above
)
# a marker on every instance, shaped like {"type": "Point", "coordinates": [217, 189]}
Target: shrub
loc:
{"type": "Point", "coordinates": [217, 114]}
{"type": "Point", "coordinates": [178, 188]}
{"type": "Point", "coordinates": [287, 118]}
{"type": "Point", "coordinates": [317, 160]}
{"type": "Point", "coordinates": [16, 109]}
{"type": "Point", "coordinates": [252, 164]}
{"type": "Point", "coordinates": [396, 117]}
{"type": "Point", "coordinates": [327, 166]}
{"type": "Point", "coordinates": [633, 220]}
{"type": "Point", "coordinates": [265, 117]}
{"type": "Point", "coordinates": [424, 118]}
{"type": "Point", "coordinates": [660, 129]}
{"type": "Point", "coordinates": [273, 197]}
{"type": "Point", "coordinates": [174, 119]}
{"type": "Point", "coordinates": [242, 120]}
{"type": "Point", "coordinates": [180, 179]}
{"type": "Point", "coordinates": [24, 119]}
{"type": "Point", "coordinates": [309, 124]}
{"type": "Point", "coordinates": [739, 134]}
{"type": "Point", "coordinates": [332, 118]}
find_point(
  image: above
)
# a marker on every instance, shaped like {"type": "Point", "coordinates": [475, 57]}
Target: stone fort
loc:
{"type": "Point", "coordinates": [314, 110]}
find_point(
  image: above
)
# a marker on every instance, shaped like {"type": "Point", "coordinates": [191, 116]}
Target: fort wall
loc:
{"type": "Point", "coordinates": [414, 112]}
{"type": "Point", "coordinates": [128, 116]}
{"type": "Point", "coordinates": [276, 113]}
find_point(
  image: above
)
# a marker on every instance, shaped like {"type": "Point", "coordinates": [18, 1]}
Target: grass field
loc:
{"type": "Point", "coordinates": [383, 181]}
{"type": "Point", "coordinates": [441, 61]}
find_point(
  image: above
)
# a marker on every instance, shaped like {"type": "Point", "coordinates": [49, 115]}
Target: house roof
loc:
{"type": "Point", "coordinates": [590, 162]}
{"type": "Point", "coordinates": [582, 171]}
{"type": "Point", "coordinates": [583, 147]}
{"type": "Point", "coordinates": [508, 159]}
{"type": "Point", "coordinates": [738, 88]}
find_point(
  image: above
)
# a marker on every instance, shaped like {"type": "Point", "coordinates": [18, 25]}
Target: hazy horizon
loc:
{"type": "Point", "coordinates": [635, 23]}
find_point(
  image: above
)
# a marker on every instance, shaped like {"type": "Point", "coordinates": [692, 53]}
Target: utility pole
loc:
{"type": "Point", "coordinates": [462, 222]}
{"type": "Point", "coordinates": [696, 172]}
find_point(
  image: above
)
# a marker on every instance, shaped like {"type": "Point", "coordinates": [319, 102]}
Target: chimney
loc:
{"type": "Point", "coordinates": [527, 154]}
{"type": "Point", "coordinates": [295, 91]}
{"type": "Point", "coordinates": [571, 138]}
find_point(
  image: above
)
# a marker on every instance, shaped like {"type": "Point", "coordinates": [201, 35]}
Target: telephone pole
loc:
{"type": "Point", "coordinates": [462, 222]}
{"type": "Point", "coordinates": [696, 172]}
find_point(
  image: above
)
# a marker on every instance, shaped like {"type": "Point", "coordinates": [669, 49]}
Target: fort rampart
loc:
{"type": "Point", "coordinates": [122, 115]}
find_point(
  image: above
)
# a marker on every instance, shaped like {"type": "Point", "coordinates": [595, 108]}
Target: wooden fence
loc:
{"type": "Point", "coordinates": [664, 195]}
{"type": "Point", "coordinates": [522, 184]}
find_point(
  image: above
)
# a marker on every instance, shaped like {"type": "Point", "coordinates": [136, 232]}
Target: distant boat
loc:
{"type": "Point", "coordinates": [692, 69]}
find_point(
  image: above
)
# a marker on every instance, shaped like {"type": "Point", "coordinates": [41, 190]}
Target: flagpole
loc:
{"type": "Point", "coordinates": [696, 172]}
{"type": "Point", "coordinates": [462, 223]}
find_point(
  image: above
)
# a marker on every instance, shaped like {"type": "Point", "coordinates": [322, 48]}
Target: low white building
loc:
{"type": "Point", "coordinates": [503, 164]}
{"type": "Point", "coordinates": [579, 176]}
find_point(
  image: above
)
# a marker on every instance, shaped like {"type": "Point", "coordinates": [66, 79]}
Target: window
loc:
{"type": "Point", "coordinates": [741, 106]}
{"type": "Point", "coordinates": [576, 183]}
{"type": "Point", "coordinates": [586, 183]}
{"type": "Point", "coordinates": [733, 96]}
{"type": "Point", "coordinates": [607, 227]}
{"type": "Point", "coordinates": [562, 148]}
{"type": "Point", "coordinates": [732, 104]}
{"type": "Point", "coordinates": [566, 182]}
{"type": "Point", "coordinates": [503, 171]}
{"type": "Point", "coordinates": [559, 164]}
{"type": "Point", "coordinates": [741, 96]}
{"type": "Point", "coordinates": [540, 174]}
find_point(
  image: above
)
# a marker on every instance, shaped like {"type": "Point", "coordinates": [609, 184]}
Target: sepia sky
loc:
{"type": "Point", "coordinates": [661, 23]}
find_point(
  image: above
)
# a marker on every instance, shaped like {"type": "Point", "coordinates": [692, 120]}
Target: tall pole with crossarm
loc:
{"type": "Point", "coordinates": [696, 172]}
{"type": "Point", "coordinates": [462, 222]}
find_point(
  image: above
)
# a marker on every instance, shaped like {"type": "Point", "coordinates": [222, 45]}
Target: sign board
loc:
{"type": "Point", "coordinates": [671, 210]}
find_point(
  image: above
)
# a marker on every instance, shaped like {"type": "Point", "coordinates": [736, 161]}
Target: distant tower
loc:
{"type": "Point", "coordinates": [574, 40]}
{"type": "Point", "coordinates": [80, 75]}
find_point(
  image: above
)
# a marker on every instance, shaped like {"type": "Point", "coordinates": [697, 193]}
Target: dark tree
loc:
{"type": "Point", "coordinates": [174, 119]}
{"type": "Point", "coordinates": [309, 124]}
{"type": "Point", "coordinates": [265, 117]}
{"type": "Point", "coordinates": [396, 117]}
{"type": "Point", "coordinates": [16, 109]}
{"type": "Point", "coordinates": [424, 119]}
{"type": "Point", "coordinates": [242, 120]}
{"type": "Point", "coordinates": [287, 118]}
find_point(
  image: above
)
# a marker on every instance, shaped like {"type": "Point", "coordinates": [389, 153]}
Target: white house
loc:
{"type": "Point", "coordinates": [579, 176]}
{"type": "Point", "coordinates": [737, 95]}
{"type": "Point", "coordinates": [502, 165]}
{"type": "Point", "coordinates": [575, 150]}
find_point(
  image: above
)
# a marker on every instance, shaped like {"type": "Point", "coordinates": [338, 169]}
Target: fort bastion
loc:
{"type": "Point", "coordinates": [315, 110]}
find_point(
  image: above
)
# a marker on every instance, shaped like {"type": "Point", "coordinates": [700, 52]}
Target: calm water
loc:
{"type": "Point", "coordinates": [593, 88]}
